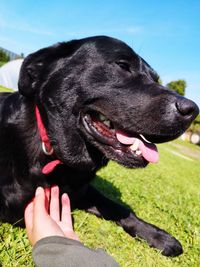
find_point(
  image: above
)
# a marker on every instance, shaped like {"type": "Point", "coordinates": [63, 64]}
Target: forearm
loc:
{"type": "Point", "coordinates": [60, 251]}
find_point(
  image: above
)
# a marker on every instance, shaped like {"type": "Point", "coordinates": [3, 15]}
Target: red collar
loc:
{"type": "Point", "coordinates": [46, 146]}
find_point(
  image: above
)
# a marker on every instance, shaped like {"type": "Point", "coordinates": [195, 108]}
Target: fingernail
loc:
{"type": "Point", "coordinates": [39, 191]}
{"type": "Point", "coordinates": [55, 189]}
{"type": "Point", "coordinates": [65, 197]}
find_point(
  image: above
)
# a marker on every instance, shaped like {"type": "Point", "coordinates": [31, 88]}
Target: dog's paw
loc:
{"type": "Point", "coordinates": [168, 244]}
{"type": "Point", "coordinates": [172, 247]}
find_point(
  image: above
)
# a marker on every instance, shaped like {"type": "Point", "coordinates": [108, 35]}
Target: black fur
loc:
{"type": "Point", "coordinates": [71, 82]}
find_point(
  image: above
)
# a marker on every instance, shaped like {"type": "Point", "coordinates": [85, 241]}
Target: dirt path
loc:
{"type": "Point", "coordinates": [191, 152]}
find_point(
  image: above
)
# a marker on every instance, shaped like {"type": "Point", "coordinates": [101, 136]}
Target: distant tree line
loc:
{"type": "Point", "coordinates": [3, 57]}
{"type": "Point", "coordinates": [195, 126]}
{"type": "Point", "coordinates": [178, 86]}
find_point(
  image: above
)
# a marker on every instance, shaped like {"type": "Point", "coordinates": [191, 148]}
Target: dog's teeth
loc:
{"type": "Point", "coordinates": [102, 117]}
{"type": "Point", "coordinates": [144, 138]}
{"type": "Point", "coordinates": [135, 145]}
{"type": "Point", "coordinates": [138, 152]}
{"type": "Point", "coordinates": [107, 123]}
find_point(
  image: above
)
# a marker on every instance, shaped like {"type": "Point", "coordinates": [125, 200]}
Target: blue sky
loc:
{"type": "Point", "coordinates": [165, 33]}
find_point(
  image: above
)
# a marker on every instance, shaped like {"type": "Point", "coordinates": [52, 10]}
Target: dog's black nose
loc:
{"type": "Point", "coordinates": [187, 108]}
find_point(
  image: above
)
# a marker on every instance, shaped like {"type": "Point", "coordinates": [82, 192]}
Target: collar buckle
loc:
{"type": "Point", "coordinates": [46, 151]}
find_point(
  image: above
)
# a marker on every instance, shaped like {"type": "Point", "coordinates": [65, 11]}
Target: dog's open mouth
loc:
{"type": "Point", "coordinates": [105, 132]}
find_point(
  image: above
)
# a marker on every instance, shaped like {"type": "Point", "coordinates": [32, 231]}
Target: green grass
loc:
{"type": "Point", "coordinates": [3, 89]}
{"type": "Point", "coordinates": [166, 194]}
{"type": "Point", "coordinates": [1, 63]}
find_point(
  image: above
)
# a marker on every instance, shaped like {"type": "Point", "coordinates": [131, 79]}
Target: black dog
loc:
{"type": "Point", "coordinates": [95, 100]}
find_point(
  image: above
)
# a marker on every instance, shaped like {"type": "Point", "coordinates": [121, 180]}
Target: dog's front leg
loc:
{"type": "Point", "coordinates": [95, 203]}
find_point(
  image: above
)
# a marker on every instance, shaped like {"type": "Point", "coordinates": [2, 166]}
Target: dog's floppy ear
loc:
{"type": "Point", "coordinates": [30, 71]}
{"type": "Point", "coordinates": [33, 65]}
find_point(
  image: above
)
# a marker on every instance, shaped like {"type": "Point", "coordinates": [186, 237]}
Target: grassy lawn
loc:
{"type": "Point", "coordinates": [1, 63]}
{"type": "Point", "coordinates": [166, 194]}
{"type": "Point", "coordinates": [3, 89]}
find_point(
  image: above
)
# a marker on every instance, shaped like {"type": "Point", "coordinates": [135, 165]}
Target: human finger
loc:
{"type": "Point", "coordinates": [54, 204]}
{"type": "Point", "coordinates": [66, 211]}
{"type": "Point", "coordinates": [39, 210]}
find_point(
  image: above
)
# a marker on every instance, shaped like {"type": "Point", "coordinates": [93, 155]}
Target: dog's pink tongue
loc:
{"type": "Point", "coordinates": [149, 150]}
{"type": "Point", "coordinates": [124, 138]}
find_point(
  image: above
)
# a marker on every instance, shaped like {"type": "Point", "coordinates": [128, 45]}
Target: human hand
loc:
{"type": "Point", "coordinates": [43, 218]}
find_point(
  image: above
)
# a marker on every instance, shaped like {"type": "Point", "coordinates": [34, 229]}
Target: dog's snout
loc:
{"type": "Point", "coordinates": [187, 108]}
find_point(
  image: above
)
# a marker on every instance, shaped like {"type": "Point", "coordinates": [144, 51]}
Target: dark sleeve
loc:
{"type": "Point", "coordinates": [64, 252]}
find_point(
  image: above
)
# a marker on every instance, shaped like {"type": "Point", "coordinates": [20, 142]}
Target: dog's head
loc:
{"type": "Point", "coordinates": [98, 98]}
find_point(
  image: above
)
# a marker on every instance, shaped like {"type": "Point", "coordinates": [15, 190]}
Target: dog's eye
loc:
{"type": "Point", "coordinates": [123, 65]}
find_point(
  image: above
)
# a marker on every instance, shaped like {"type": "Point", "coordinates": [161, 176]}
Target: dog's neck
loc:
{"type": "Point", "coordinates": [46, 145]}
